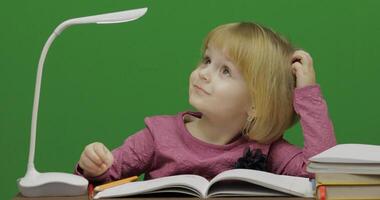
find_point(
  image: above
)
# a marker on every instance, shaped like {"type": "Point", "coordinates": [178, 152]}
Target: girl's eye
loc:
{"type": "Point", "coordinates": [226, 71]}
{"type": "Point", "coordinates": [206, 60]}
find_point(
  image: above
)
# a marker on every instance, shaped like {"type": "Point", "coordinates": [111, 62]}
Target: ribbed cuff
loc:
{"type": "Point", "coordinates": [97, 179]}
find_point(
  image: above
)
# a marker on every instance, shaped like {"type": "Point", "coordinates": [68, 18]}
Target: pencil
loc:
{"type": "Point", "coordinates": [115, 183]}
{"type": "Point", "coordinates": [90, 191]}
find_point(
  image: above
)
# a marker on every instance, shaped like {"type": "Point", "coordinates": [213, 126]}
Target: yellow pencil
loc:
{"type": "Point", "coordinates": [115, 183]}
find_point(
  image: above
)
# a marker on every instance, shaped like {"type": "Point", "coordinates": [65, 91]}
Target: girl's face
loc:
{"type": "Point", "coordinates": [217, 86]}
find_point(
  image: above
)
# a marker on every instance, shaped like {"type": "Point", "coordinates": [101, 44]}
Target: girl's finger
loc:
{"type": "Point", "coordinates": [297, 66]}
{"type": "Point", "coordinates": [296, 58]}
{"type": "Point", "coordinates": [87, 165]}
{"type": "Point", "coordinates": [301, 56]}
{"type": "Point", "coordinates": [93, 156]}
{"type": "Point", "coordinates": [109, 156]}
{"type": "Point", "coordinates": [99, 150]}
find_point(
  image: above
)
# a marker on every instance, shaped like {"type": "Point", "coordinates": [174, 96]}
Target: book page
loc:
{"type": "Point", "coordinates": [350, 153]}
{"type": "Point", "coordinates": [347, 179]}
{"type": "Point", "coordinates": [189, 184]}
{"type": "Point", "coordinates": [297, 186]}
{"type": "Point", "coordinates": [362, 168]}
{"type": "Point", "coordinates": [241, 188]}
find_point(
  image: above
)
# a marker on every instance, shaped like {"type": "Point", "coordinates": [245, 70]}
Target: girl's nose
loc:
{"type": "Point", "coordinates": [204, 74]}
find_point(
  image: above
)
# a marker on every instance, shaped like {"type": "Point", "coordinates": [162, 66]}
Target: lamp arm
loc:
{"type": "Point", "coordinates": [31, 168]}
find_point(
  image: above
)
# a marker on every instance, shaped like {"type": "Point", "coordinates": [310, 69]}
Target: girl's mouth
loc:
{"type": "Point", "coordinates": [201, 89]}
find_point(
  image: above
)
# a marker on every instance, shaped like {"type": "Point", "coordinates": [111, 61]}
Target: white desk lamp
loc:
{"type": "Point", "coordinates": [34, 183]}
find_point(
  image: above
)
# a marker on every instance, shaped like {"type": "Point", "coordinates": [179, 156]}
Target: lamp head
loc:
{"type": "Point", "coordinates": [108, 18]}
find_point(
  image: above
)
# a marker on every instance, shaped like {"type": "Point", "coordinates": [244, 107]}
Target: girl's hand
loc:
{"type": "Point", "coordinates": [95, 159]}
{"type": "Point", "coordinates": [302, 66]}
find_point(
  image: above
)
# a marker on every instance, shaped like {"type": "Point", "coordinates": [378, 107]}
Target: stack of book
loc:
{"type": "Point", "coordinates": [347, 171]}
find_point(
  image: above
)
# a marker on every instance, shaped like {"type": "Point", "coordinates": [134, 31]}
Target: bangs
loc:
{"type": "Point", "coordinates": [233, 42]}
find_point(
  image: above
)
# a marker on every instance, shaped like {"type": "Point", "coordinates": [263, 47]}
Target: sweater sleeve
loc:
{"type": "Point", "coordinates": [134, 157]}
{"type": "Point", "coordinates": [318, 132]}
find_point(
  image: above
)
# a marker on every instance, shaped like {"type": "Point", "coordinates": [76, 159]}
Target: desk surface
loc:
{"type": "Point", "coordinates": [19, 197]}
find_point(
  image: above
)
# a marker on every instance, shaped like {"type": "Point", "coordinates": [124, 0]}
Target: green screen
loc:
{"type": "Point", "coordinates": [100, 81]}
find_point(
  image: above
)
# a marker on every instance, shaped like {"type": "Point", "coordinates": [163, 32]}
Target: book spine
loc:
{"type": "Point", "coordinates": [321, 192]}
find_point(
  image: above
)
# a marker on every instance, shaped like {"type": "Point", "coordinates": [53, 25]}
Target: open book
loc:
{"type": "Point", "coordinates": [235, 182]}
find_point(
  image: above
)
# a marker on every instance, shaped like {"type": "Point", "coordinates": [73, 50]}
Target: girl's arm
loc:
{"type": "Point", "coordinates": [134, 157]}
{"type": "Point", "coordinates": [317, 127]}
{"type": "Point", "coordinates": [285, 158]}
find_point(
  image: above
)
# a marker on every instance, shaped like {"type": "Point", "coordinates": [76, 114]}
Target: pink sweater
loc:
{"type": "Point", "coordinates": [165, 147]}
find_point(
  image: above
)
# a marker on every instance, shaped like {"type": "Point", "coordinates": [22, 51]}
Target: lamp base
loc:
{"type": "Point", "coordinates": [52, 184]}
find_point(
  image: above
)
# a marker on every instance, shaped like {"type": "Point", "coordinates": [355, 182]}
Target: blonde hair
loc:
{"type": "Point", "coordinates": [264, 58]}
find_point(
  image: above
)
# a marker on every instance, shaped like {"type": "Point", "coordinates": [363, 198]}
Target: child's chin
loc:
{"type": "Point", "coordinates": [196, 103]}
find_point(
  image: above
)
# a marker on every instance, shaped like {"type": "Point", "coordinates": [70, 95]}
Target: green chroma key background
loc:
{"type": "Point", "coordinates": [100, 81]}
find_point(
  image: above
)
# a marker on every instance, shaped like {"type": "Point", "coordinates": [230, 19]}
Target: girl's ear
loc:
{"type": "Point", "coordinates": [251, 112]}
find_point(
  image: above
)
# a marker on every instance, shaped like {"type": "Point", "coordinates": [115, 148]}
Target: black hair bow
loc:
{"type": "Point", "coordinates": [252, 160]}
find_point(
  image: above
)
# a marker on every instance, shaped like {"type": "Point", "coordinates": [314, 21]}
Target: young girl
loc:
{"type": "Point", "coordinates": [250, 87]}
